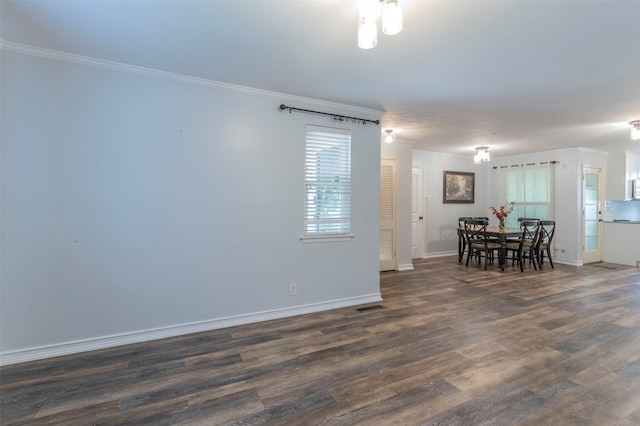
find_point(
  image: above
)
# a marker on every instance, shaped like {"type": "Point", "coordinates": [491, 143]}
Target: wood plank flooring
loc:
{"type": "Point", "coordinates": [448, 345]}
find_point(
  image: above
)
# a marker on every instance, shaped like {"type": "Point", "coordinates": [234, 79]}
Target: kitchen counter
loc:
{"type": "Point", "coordinates": [622, 221]}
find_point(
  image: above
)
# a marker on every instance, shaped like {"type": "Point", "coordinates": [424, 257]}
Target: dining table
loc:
{"type": "Point", "coordinates": [501, 234]}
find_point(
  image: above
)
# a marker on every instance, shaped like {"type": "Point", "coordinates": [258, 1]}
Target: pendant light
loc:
{"type": "Point", "coordinates": [391, 17]}
{"type": "Point", "coordinates": [635, 130]}
{"type": "Point", "coordinates": [368, 21]}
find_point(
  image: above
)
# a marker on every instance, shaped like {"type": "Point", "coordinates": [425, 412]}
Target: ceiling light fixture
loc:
{"type": "Point", "coordinates": [391, 17]}
{"type": "Point", "coordinates": [389, 137]}
{"type": "Point", "coordinates": [482, 155]}
{"type": "Point", "coordinates": [367, 22]}
{"type": "Point", "coordinates": [635, 130]}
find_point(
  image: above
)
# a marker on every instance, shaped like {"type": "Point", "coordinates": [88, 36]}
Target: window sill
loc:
{"type": "Point", "coordinates": [331, 238]}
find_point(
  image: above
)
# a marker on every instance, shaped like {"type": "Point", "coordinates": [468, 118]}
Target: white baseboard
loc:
{"type": "Point", "coordinates": [68, 348]}
{"type": "Point", "coordinates": [440, 254]}
{"type": "Point", "coordinates": [406, 267]}
{"type": "Point", "coordinates": [564, 262]}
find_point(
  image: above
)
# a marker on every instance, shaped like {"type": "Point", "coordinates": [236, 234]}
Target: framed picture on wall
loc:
{"type": "Point", "coordinates": [458, 187]}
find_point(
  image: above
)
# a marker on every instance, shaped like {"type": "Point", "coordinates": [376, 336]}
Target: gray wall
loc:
{"type": "Point", "coordinates": [440, 220]}
{"type": "Point", "coordinates": [137, 206]}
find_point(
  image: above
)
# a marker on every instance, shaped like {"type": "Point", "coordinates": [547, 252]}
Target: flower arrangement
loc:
{"type": "Point", "coordinates": [502, 212]}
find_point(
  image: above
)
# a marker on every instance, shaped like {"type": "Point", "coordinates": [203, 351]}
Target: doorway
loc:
{"type": "Point", "coordinates": [388, 192]}
{"type": "Point", "coordinates": [417, 212]}
{"type": "Point", "coordinates": [591, 212]}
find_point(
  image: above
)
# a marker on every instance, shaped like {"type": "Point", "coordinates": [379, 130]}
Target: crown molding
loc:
{"type": "Point", "coordinates": [57, 55]}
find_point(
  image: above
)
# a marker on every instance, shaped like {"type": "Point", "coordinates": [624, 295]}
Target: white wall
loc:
{"type": "Point", "coordinates": [441, 220]}
{"type": "Point", "coordinates": [568, 194]}
{"type": "Point", "coordinates": [136, 207]}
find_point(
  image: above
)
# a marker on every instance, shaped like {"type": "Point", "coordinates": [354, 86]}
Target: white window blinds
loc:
{"type": "Point", "coordinates": [327, 187]}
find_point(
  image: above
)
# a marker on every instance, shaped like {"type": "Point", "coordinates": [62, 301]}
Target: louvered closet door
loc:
{"type": "Point", "coordinates": [387, 215]}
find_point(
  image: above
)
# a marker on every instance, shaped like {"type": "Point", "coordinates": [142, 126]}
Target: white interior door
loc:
{"type": "Point", "coordinates": [591, 210]}
{"type": "Point", "coordinates": [417, 212]}
{"type": "Point", "coordinates": [387, 215]}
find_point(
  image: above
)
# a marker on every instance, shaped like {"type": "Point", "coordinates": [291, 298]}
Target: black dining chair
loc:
{"type": "Point", "coordinates": [547, 231]}
{"type": "Point", "coordinates": [525, 247]}
{"type": "Point", "coordinates": [462, 242]}
{"type": "Point", "coordinates": [520, 220]}
{"type": "Point", "coordinates": [478, 244]}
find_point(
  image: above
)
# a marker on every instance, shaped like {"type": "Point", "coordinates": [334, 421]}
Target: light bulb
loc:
{"type": "Point", "coordinates": [391, 18]}
{"type": "Point", "coordinates": [367, 34]}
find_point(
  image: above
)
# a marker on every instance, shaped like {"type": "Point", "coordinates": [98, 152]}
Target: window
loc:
{"type": "Point", "coordinates": [327, 186]}
{"type": "Point", "coordinates": [530, 187]}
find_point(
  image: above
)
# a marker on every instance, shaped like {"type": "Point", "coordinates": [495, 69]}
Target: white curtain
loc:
{"type": "Point", "coordinates": [530, 186]}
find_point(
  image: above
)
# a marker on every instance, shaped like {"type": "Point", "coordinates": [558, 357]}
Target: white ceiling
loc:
{"type": "Point", "coordinates": [519, 76]}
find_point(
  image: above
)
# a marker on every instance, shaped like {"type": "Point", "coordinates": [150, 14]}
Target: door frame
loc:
{"type": "Point", "coordinates": [417, 196]}
{"type": "Point", "coordinates": [592, 256]}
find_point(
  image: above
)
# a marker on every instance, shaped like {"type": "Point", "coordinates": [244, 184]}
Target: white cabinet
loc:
{"type": "Point", "coordinates": [622, 168]}
{"type": "Point", "coordinates": [621, 243]}
{"type": "Point", "coordinates": [615, 176]}
{"type": "Point", "coordinates": [632, 169]}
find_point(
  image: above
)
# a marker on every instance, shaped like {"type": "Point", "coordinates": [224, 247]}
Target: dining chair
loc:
{"type": "Point", "coordinates": [520, 220]}
{"type": "Point", "coordinates": [482, 218]}
{"type": "Point", "coordinates": [462, 242]}
{"type": "Point", "coordinates": [477, 241]}
{"type": "Point", "coordinates": [525, 247]}
{"type": "Point", "coordinates": [547, 230]}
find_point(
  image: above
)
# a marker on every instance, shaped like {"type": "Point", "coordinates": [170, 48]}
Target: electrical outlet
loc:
{"type": "Point", "coordinates": [293, 289]}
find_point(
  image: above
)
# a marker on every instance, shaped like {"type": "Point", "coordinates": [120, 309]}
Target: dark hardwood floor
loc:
{"type": "Point", "coordinates": [448, 345]}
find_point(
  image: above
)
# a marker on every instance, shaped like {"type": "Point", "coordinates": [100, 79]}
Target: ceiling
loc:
{"type": "Point", "coordinates": [518, 76]}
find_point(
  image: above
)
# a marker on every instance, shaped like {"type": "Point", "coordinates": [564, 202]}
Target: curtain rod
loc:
{"type": "Point", "coordinates": [527, 164]}
{"type": "Point", "coordinates": [336, 117]}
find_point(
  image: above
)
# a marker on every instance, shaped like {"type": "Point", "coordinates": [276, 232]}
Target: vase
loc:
{"type": "Point", "coordinates": [501, 223]}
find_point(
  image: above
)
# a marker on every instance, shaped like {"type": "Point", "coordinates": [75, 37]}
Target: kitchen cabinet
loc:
{"type": "Point", "coordinates": [620, 243]}
{"type": "Point", "coordinates": [622, 168]}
